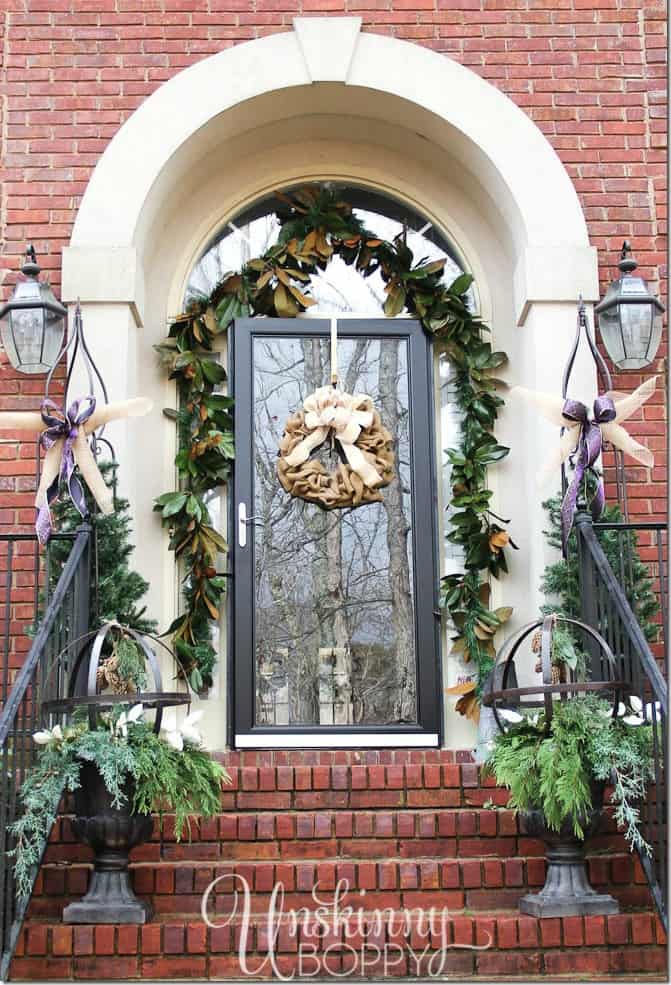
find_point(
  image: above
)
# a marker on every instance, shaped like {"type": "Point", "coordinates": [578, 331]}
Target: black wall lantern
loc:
{"type": "Point", "coordinates": [630, 317]}
{"type": "Point", "coordinates": [32, 322]}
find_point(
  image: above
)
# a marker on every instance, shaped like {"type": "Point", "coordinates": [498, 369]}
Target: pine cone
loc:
{"type": "Point", "coordinates": [108, 676]}
{"type": "Point", "coordinates": [558, 675]}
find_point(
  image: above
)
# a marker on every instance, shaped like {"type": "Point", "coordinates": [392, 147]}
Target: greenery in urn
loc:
{"type": "Point", "coordinates": [169, 771]}
{"type": "Point", "coordinates": [554, 770]}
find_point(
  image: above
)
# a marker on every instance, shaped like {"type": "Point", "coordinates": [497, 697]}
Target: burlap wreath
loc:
{"type": "Point", "coordinates": [342, 487]}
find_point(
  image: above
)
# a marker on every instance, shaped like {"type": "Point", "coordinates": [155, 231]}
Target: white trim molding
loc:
{"type": "Point", "coordinates": [336, 740]}
{"type": "Point", "coordinates": [483, 129]}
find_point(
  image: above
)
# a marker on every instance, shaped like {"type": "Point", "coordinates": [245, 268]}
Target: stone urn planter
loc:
{"type": "Point", "coordinates": [112, 833]}
{"type": "Point", "coordinates": [567, 891]}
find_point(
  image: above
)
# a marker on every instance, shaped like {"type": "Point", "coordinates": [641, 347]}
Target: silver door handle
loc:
{"type": "Point", "coordinates": [243, 523]}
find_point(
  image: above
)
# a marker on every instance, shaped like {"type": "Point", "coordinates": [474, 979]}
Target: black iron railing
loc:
{"type": "Point", "coordinates": [55, 619]}
{"type": "Point", "coordinates": [605, 605]}
{"type": "Point", "coordinates": [645, 541]}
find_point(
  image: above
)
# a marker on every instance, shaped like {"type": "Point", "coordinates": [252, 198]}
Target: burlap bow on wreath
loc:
{"type": "Point", "coordinates": [353, 423]}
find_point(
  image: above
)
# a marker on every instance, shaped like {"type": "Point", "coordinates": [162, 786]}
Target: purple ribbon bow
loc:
{"type": "Point", "coordinates": [62, 425]}
{"type": "Point", "coordinates": [588, 449]}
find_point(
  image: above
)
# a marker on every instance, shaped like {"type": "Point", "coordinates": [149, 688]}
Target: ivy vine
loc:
{"type": "Point", "coordinates": [316, 225]}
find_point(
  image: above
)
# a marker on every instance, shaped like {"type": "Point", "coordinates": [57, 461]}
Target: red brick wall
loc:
{"type": "Point", "coordinates": [590, 73]}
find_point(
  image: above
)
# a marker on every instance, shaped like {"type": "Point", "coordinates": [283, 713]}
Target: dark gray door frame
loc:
{"type": "Point", "coordinates": [241, 649]}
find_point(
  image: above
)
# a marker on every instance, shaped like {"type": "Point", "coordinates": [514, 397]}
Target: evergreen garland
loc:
{"type": "Point", "coordinates": [315, 225]}
{"type": "Point", "coordinates": [119, 589]}
{"type": "Point", "coordinates": [561, 580]}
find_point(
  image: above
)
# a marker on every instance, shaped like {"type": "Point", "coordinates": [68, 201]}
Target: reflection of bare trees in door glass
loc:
{"type": "Point", "coordinates": [334, 619]}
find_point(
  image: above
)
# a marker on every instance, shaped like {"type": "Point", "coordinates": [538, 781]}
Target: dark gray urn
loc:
{"type": "Point", "coordinates": [112, 833]}
{"type": "Point", "coordinates": [567, 891]}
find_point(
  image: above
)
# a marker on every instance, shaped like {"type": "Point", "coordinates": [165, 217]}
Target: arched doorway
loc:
{"type": "Point", "coordinates": [377, 113]}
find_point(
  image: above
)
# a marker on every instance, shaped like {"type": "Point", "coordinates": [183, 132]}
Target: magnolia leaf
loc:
{"type": "Point", "coordinates": [301, 298]}
{"type": "Point", "coordinates": [395, 301]}
{"type": "Point", "coordinates": [212, 609]}
{"type": "Point", "coordinates": [498, 540]}
{"type": "Point", "coordinates": [285, 305]}
{"type": "Point", "coordinates": [469, 707]}
{"type": "Point", "coordinates": [504, 613]}
{"type": "Point", "coordinates": [466, 687]}
{"type": "Point", "coordinates": [461, 284]}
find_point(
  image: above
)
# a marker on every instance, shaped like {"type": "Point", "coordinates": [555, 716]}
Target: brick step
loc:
{"type": "Point", "coordinates": [489, 944]}
{"type": "Point", "coordinates": [474, 884]}
{"type": "Point", "coordinates": [476, 831]}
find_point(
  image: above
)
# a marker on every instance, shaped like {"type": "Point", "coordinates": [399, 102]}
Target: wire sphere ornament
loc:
{"type": "Point", "coordinates": [563, 685]}
{"type": "Point", "coordinates": [96, 684]}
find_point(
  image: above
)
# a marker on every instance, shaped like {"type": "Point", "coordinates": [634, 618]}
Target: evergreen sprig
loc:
{"type": "Point", "coordinates": [316, 225]}
{"type": "Point", "coordinates": [119, 588]}
{"type": "Point", "coordinates": [555, 770]}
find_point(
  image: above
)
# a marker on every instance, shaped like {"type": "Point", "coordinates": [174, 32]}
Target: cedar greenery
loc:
{"type": "Point", "coordinates": [185, 781]}
{"type": "Point", "coordinates": [315, 225]}
{"type": "Point", "coordinates": [555, 772]}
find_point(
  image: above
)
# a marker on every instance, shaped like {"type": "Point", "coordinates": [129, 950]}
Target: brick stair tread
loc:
{"type": "Point", "coordinates": [182, 947]}
{"type": "Point", "coordinates": [638, 927]}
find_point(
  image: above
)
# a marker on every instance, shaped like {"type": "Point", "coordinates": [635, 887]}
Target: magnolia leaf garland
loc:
{"type": "Point", "coordinates": [315, 225]}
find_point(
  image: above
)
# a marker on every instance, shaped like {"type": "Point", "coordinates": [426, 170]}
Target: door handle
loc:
{"type": "Point", "coordinates": [243, 522]}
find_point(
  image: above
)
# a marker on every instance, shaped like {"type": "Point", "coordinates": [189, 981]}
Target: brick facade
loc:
{"type": "Point", "coordinates": [590, 73]}
{"type": "Point", "coordinates": [408, 827]}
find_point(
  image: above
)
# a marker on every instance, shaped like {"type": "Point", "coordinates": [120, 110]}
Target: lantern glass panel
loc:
{"type": "Point", "coordinates": [22, 337]}
{"type": "Point", "coordinates": [636, 326]}
{"type": "Point", "coordinates": [609, 326]}
{"type": "Point", "coordinates": [32, 327]}
{"type": "Point", "coordinates": [54, 332]}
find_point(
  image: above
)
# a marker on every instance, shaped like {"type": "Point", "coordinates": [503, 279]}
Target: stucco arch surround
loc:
{"type": "Point", "coordinates": [484, 131]}
{"type": "Point", "coordinates": [328, 101]}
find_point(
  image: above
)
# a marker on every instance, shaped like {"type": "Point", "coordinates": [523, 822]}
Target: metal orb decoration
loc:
{"type": "Point", "coordinates": [567, 891]}
{"type": "Point", "coordinates": [541, 696]}
{"type": "Point", "coordinates": [110, 831]}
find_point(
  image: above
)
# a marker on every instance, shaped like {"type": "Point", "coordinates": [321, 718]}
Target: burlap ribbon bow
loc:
{"type": "Point", "coordinates": [583, 437]}
{"type": "Point", "coordinates": [328, 410]}
{"type": "Point", "coordinates": [64, 436]}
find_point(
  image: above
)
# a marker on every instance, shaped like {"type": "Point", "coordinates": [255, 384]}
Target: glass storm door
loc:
{"type": "Point", "coordinates": [334, 629]}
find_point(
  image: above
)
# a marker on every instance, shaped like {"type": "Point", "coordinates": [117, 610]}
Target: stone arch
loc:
{"type": "Point", "coordinates": [486, 133]}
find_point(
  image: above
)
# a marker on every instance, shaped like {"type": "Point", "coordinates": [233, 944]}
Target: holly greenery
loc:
{"type": "Point", "coordinates": [561, 580]}
{"type": "Point", "coordinates": [316, 225]}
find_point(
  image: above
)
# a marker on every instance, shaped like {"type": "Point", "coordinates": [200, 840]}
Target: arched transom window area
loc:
{"type": "Point", "coordinates": [340, 288]}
